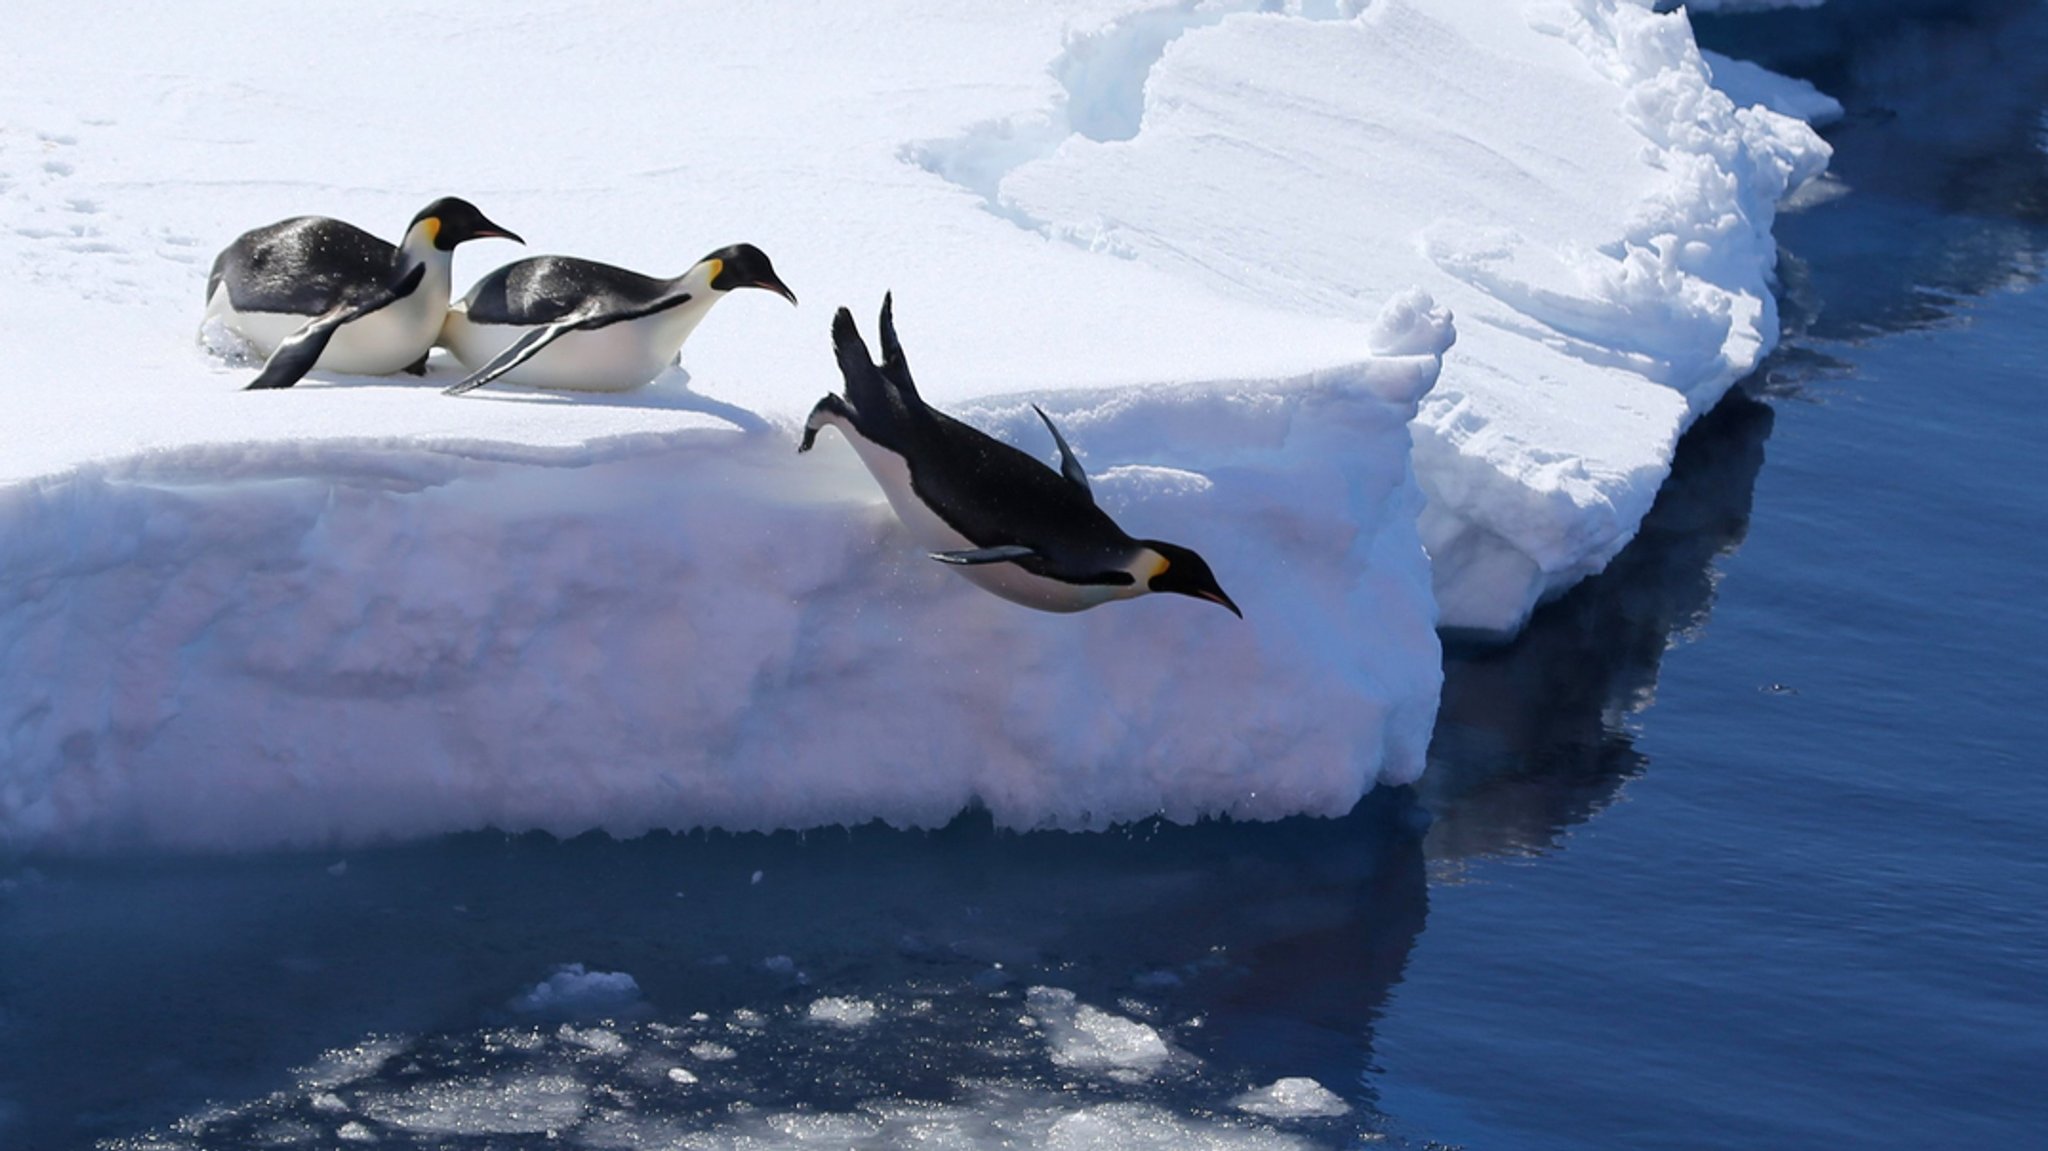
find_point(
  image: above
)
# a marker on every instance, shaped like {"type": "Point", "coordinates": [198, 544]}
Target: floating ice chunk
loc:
{"type": "Point", "coordinates": [597, 1040]}
{"type": "Point", "coordinates": [356, 1132]}
{"type": "Point", "coordinates": [512, 1105]}
{"type": "Point", "coordinates": [834, 1128]}
{"type": "Point", "coordinates": [345, 1065]}
{"type": "Point", "coordinates": [1296, 1097]}
{"type": "Point", "coordinates": [1752, 84]}
{"type": "Point", "coordinates": [711, 1052]}
{"type": "Point", "coordinates": [572, 991]}
{"type": "Point", "coordinates": [1143, 1127]}
{"type": "Point", "coordinates": [1089, 1038]}
{"type": "Point", "coordinates": [842, 1012]}
{"type": "Point", "coordinates": [681, 1075]}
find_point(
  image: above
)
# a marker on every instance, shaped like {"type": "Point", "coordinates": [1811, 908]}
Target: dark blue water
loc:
{"type": "Point", "coordinates": [1740, 845]}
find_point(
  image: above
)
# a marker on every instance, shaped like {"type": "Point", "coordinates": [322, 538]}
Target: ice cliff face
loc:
{"type": "Point", "coordinates": [1222, 243]}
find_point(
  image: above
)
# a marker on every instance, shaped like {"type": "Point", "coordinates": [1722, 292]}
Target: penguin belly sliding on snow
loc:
{"type": "Point", "coordinates": [313, 292]}
{"type": "Point", "coordinates": [1005, 520]}
{"type": "Point", "coordinates": [559, 322]}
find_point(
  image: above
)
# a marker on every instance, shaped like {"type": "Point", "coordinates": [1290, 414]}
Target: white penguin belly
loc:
{"type": "Point", "coordinates": [1007, 580]}
{"type": "Point", "coordinates": [615, 358]}
{"type": "Point", "coordinates": [388, 340]}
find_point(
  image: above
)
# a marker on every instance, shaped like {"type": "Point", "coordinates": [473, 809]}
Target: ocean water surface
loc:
{"type": "Point", "coordinates": [1739, 846]}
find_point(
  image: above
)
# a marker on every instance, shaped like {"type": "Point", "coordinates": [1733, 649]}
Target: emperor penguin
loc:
{"type": "Point", "coordinates": [560, 322]}
{"type": "Point", "coordinates": [1005, 520]}
{"type": "Point", "coordinates": [316, 292]}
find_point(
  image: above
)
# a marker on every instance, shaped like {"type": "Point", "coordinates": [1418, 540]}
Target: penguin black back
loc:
{"type": "Point", "coordinates": [301, 266]}
{"type": "Point", "coordinates": [994, 495]}
{"type": "Point", "coordinates": [544, 289]}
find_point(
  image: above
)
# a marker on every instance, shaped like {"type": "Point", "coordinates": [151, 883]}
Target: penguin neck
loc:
{"type": "Point", "coordinates": [418, 247]}
{"type": "Point", "coordinates": [678, 322]}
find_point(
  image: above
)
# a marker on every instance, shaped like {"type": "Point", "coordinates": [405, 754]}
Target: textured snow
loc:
{"type": "Point", "coordinates": [1222, 246]}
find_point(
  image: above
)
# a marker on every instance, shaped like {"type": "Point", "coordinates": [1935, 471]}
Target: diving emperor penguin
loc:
{"type": "Point", "coordinates": [559, 322]}
{"type": "Point", "coordinates": [316, 292]}
{"type": "Point", "coordinates": [1007, 521]}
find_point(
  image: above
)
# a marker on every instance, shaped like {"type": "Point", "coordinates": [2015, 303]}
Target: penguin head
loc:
{"type": "Point", "coordinates": [1183, 572]}
{"type": "Point", "coordinates": [451, 220]}
{"type": "Point", "coordinates": [743, 266]}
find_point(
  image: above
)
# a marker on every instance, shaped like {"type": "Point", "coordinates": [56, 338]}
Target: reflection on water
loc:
{"type": "Point", "coordinates": [1942, 148]}
{"type": "Point", "coordinates": [1210, 960]}
{"type": "Point", "coordinates": [1944, 151]}
{"type": "Point", "coordinates": [1537, 736]}
{"type": "Point", "coordinates": [136, 991]}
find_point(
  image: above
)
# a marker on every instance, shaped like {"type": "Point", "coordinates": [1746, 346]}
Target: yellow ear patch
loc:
{"type": "Point", "coordinates": [433, 226]}
{"type": "Point", "coordinates": [717, 268]}
{"type": "Point", "coordinates": [1164, 563]}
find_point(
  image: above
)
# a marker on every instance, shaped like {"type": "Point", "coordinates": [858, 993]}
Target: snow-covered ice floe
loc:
{"type": "Point", "coordinates": [1222, 243]}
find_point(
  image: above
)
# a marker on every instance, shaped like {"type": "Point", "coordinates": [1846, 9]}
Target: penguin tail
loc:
{"type": "Point", "coordinates": [865, 387]}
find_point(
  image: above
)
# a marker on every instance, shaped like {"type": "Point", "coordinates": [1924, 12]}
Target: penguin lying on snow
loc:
{"type": "Point", "coordinates": [316, 292]}
{"type": "Point", "coordinates": [1011, 524]}
{"type": "Point", "coordinates": [558, 322]}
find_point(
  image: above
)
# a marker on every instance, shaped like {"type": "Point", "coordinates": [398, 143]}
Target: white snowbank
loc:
{"type": "Point", "coordinates": [359, 610]}
{"type": "Point", "coordinates": [1569, 184]}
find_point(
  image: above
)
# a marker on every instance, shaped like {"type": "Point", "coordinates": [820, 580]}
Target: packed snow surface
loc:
{"type": "Point", "coordinates": [1221, 242]}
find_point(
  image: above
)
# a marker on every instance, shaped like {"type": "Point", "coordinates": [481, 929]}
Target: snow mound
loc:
{"type": "Point", "coordinates": [1611, 281]}
{"type": "Point", "coordinates": [1221, 242]}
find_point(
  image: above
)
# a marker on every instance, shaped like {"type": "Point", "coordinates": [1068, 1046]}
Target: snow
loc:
{"type": "Point", "coordinates": [1223, 247]}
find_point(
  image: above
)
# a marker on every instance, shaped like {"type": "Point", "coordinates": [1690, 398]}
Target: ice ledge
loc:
{"type": "Point", "coordinates": [703, 629]}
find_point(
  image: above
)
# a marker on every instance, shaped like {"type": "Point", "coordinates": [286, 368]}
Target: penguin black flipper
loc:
{"type": "Point", "coordinates": [529, 345]}
{"type": "Point", "coordinates": [298, 352]}
{"type": "Point", "coordinates": [865, 388]}
{"type": "Point", "coordinates": [518, 352]}
{"type": "Point", "coordinates": [970, 556]}
{"type": "Point", "coordinates": [1069, 466]}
